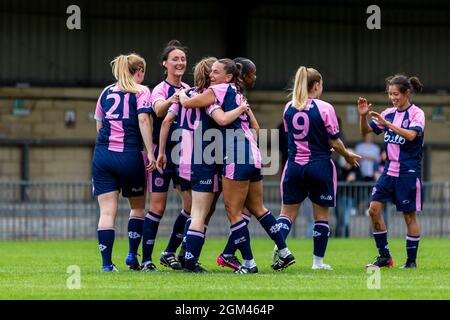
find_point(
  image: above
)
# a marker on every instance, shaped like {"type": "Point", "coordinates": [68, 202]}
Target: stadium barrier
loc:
{"type": "Point", "coordinates": [67, 210]}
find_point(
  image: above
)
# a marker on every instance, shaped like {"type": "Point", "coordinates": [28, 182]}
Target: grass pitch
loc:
{"type": "Point", "coordinates": [38, 270]}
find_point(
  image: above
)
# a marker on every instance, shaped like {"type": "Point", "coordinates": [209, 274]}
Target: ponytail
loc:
{"type": "Point", "coordinates": [416, 84]}
{"type": "Point", "coordinates": [124, 67]}
{"type": "Point", "coordinates": [404, 83]}
{"type": "Point", "coordinates": [305, 78]}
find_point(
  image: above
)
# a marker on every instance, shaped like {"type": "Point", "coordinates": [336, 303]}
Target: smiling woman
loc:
{"type": "Point", "coordinates": [403, 125]}
{"type": "Point", "coordinates": [164, 95]}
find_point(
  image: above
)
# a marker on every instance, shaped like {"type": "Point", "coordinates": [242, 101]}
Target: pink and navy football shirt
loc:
{"type": "Point", "coordinates": [163, 91]}
{"type": "Point", "coordinates": [118, 111]}
{"type": "Point", "coordinates": [309, 131]}
{"type": "Point", "coordinates": [194, 124]}
{"type": "Point", "coordinates": [239, 143]}
{"type": "Point", "coordinates": [403, 157]}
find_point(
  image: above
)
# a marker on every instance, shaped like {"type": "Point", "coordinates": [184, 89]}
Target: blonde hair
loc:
{"type": "Point", "coordinates": [201, 73]}
{"type": "Point", "coordinates": [305, 78]}
{"type": "Point", "coordinates": [124, 67]}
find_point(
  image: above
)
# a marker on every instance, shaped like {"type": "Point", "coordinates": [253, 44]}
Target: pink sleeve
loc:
{"type": "Point", "coordinates": [417, 120]}
{"type": "Point", "coordinates": [159, 93]}
{"type": "Point", "coordinates": [220, 91]}
{"type": "Point", "coordinates": [284, 116]}
{"type": "Point", "coordinates": [329, 118]}
{"type": "Point", "coordinates": [143, 101]}
{"type": "Point", "coordinates": [98, 108]}
{"type": "Point", "coordinates": [212, 108]}
{"type": "Point", "coordinates": [174, 108]}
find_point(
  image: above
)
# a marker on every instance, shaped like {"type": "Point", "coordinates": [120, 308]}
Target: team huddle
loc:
{"type": "Point", "coordinates": [204, 139]}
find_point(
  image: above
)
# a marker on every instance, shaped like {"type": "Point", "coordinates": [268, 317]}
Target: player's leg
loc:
{"type": "Point", "coordinates": [287, 216]}
{"type": "Point", "coordinates": [158, 186]}
{"type": "Point", "coordinates": [380, 235]}
{"type": "Point", "coordinates": [321, 234]}
{"type": "Point", "coordinates": [412, 239]}
{"type": "Point", "coordinates": [254, 203]}
{"type": "Point", "coordinates": [201, 205]}
{"type": "Point", "coordinates": [409, 190]}
{"type": "Point", "coordinates": [234, 195]}
{"type": "Point", "coordinates": [108, 203]}
{"type": "Point", "coordinates": [383, 191]}
{"type": "Point", "coordinates": [135, 228]}
{"type": "Point", "coordinates": [168, 257]}
{"type": "Point", "coordinates": [322, 184]}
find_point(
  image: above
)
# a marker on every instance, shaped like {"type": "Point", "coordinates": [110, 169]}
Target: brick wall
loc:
{"type": "Point", "coordinates": [46, 121]}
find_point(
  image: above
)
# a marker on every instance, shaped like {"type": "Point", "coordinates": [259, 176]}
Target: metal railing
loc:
{"type": "Point", "coordinates": [67, 210]}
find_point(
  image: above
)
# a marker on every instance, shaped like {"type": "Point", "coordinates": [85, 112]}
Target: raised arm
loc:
{"type": "Point", "coordinates": [363, 109]}
{"type": "Point", "coordinates": [146, 129]}
{"type": "Point", "coordinates": [408, 134]}
{"type": "Point", "coordinates": [201, 100]}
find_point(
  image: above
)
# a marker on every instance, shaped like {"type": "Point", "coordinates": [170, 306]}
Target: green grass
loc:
{"type": "Point", "coordinates": [37, 270]}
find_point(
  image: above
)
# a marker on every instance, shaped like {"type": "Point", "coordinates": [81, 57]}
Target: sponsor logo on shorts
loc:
{"type": "Point", "coordinates": [209, 181]}
{"type": "Point", "coordinates": [405, 201]}
{"type": "Point", "coordinates": [159, 182]}
{"type": "Point", "coordinates": [137, 189]}
{"type": "Point", "coordinates": [328, 197]}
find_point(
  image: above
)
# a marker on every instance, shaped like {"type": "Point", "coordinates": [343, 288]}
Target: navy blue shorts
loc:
{"type": "Point", "coordinates": [241, 172]}
{"type": "Point", "coordinates": [157, 182]}
{"type": "Point", "coordinates": [118, 171]}
{"type": "Point", "coordinates": [405, 192]}
{"type": "Point", "coordinates": [210, 183]}
{"type": "Point", "coordinates": [316, 180]}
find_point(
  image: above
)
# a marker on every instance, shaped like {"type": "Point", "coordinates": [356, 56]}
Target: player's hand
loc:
{"type": "Point", "coordinates": [363, 106]}
{"type": "Point", "coordinates": [378, 118]}
{"type": "Point", "coordinates": [244, 106]}
{"type": "Point", "coordinates": [352, 159]}
{"type": "Point", "coordinates": [182, 96]}
{"type": "Point", "coordinates": [175, 98]}
{"type": "Point", "coordinates": [151, 162]}
{"type": "Point", "coordinates": [161, 163]}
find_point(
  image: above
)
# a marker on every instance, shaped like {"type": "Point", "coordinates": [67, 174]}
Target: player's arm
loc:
{"type": "Point", "coordinates": [408, 134]}
{"type": "Point", "coordinates": [204, 99]}
{"type": "Point", "coordinates": [146, 128]}
{"type": "Point", "coordinates": [225, 118]}
{"type": "Point", "coordinates": [161, 162]}
{"type": "Point", "coordinates": [253, 122]}
{"type": "Point", "coordinates": [363, 109]}
{"type": "Point", "coordinates": [162, 106]}
{"type": "Point", "coordinates": [339, 147]}
{"type": "Point", "coordinates": [99, 125]}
